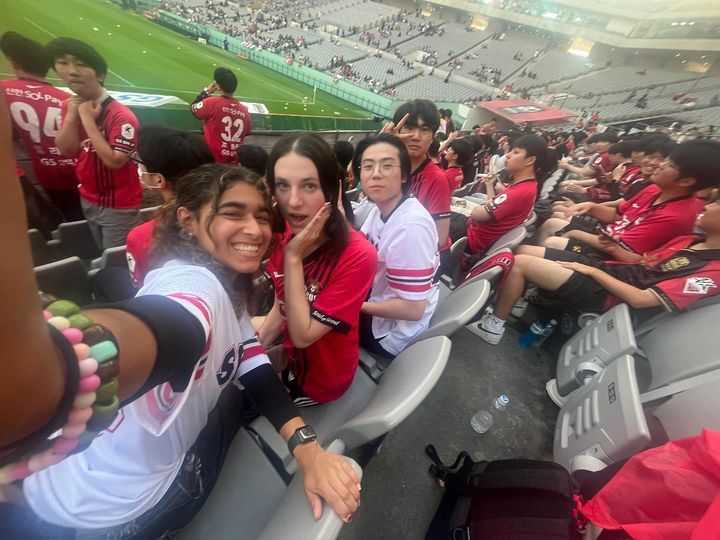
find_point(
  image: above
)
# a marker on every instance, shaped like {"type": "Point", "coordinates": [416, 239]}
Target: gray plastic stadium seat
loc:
{"type": "Point", "coordinates": [74, 239]}
{"type": "Point", "coordinates": [592, 348]}
{"type": "Point", "coordinates": [41, 252]}
{"type": "Point", "coordinates": [146, 214]}
{"type": "Point", "coordinates": [66, 279]}
{"type": "Point", "coordinates": [452, 313]}
{"type": "Point", "coordinates": [368, 409]}
{"type": "Point", "coordinates": [683, 347]}
{"type": "Point", "coordinates": [510, 240]}
{"type": "Point", "coordinates": [251, 501]}
{"type": "Point", "coordinates": [115, 256]}
{"type": "Point", "coordinates": [603, 421]}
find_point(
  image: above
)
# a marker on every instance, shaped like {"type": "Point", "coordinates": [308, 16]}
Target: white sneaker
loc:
{"type": "Point", "coordinates": [479, 329]}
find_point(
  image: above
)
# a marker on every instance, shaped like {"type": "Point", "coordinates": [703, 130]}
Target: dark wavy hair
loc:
{"type": "Point", "coordinates": [193, 191]}
{"type": "Point", "coordinates": [330, 174]}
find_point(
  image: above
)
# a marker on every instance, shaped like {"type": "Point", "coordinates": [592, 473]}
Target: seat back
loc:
{"type": "Point", "coordinates": [114, 256]}
{"type": "Point", "coordinates": [592, 348]}
{"type": "Point", "coordinates": [250, 496]}
{"type": "Point", "coordinates": [510, 240]}
{"type": "Point", "coordinates": [457, 310]}
{"type": "Point", "coordinates": [146, 214]}
{"type": "Point", "coordinates": [682, 347]}
{"type": "Point", "coordinates": [41, 252]}
{"type": "Point", "coordinates": [66, 279]}
{"type": "Point", "coordinates": [404, 385]}
{"type": "Point", "coordinates": [76, 240]}
{"type": "Point", "coordinates": [603, 420]}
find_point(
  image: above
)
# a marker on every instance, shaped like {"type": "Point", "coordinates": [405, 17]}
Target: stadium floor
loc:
{"type": "Point", "coordinates": [399, 496]}
{"type": "Point", "coordinates": [147, 58]}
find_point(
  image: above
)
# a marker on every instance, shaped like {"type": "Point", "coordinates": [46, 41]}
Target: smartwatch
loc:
{"type": "Point", "coordinates": [302, 435]}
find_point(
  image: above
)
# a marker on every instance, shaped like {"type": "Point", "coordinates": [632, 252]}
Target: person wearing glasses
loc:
{"type": "Point", "coordinates": [404, 293]}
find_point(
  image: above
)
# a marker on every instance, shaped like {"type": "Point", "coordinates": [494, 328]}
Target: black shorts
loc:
{"type": "Point", "coordinates": [577, 251]}
{"type": "Point", "coordinates": [580, 223]}
{"type": "Point", "coordinates": [582, 291]}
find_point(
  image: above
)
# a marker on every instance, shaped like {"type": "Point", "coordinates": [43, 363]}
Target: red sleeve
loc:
{"type": "Point", "coordinates": [656, 230]}
{"type": "Point", "coordinates": [122, 131]}
{"type": "Point", "coordinates": [338, 304]}
{"type": "Point", "coordinates": [454, 177]}
{"type": "Point", "coordinates": [202, 109]}
{"type": "Point", "coordinates": [502, 206]}
{"type": "Point", "coordinates": [680, 292]}
{"type": "Point", "coordinates": [436, 199]}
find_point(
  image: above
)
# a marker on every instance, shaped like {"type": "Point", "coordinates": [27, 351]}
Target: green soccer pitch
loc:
{"type": "Point", "coordinates": [145, 57]}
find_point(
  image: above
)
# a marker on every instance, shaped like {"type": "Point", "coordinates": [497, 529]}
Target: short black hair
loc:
{"type": "Point", "coordinates": [28, 54]}
{"type": "Point", "coordinates": [418, 108]}
{"type": "Point", "coordinates": [623, 147]}
{"type": "Point", "coordinates": [661, 145]}
{"type": "Point", "coordinates": [605, 137]}
{"type": "Point", "coordinates": [405, 165]}
{"type": "Point", "coordinates": [253, 157]}
{"type": "Point", "coordinates": [344, 151]}
{"type": "Point", "coordinates": [171, 152]}
{"type": "Point", "coordinates": [225, 79]}
{"type": "Point", "coordinates": [79, 49]}
{"type": "Point", "coordinates": [464, 151]}
{"type": "Point", "coordinates": [700, 160]}
{"type": "Point", "coordinates": [545, 160]}
{"type": "Point", "coordinates": [434, 147]}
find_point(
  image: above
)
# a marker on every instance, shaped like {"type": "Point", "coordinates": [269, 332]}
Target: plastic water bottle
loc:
{"type": "Point", "coordinates": [532, 335]}
{"type": "Point", "coordinates": [549, 329]}
{"type": "Point", "coordinates": [483, 420]}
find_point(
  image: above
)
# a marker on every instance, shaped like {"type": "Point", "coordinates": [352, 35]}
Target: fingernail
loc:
{"type": "Point", "coordinates": [359, 487]}
{"type": "Point", "coordinates": [348, 518]}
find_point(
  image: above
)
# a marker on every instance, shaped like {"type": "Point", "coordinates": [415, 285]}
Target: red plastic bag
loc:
{"type": "Point", "coordinates": [671, 492]}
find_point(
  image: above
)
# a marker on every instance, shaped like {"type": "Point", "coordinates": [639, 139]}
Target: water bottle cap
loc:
{"type": "Point", "coordinates": [503, 399]}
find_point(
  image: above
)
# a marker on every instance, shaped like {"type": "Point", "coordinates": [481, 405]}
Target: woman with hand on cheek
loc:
{"type": "Point", "coordinates": [322, 270]}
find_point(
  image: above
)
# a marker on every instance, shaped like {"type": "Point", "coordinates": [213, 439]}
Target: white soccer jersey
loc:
{"type": "Point", "coordinates": [407, 245]}
{"type": "Point", "coordinates": [128, 469]}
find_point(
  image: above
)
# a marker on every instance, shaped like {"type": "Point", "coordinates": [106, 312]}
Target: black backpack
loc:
{"type": "Point", "coordinates": [511, 499]}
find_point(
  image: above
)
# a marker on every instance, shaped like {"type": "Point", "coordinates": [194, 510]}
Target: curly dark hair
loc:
{"type": "Point", "coordinates": [194, 190]}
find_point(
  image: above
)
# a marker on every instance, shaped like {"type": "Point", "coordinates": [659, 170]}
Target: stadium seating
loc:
{"type": "Point", "coordinates": [369, 410]}
{"type": "Point", "coordinates": [323, 52]}
{"type": "Point", "coordinates": [452, 313]}
{"type": "Point", "coordinates": [432, 86]}
{"type": "Point", "coordinates": [550, 67]}
{"type": "Point", "coordinates": [110, 257]}
{"type": "Point", "coordinates": [456, 38]}
{"type": "Point", "coordinates": [611, 428]}
{"type": "Point", "coordinates": [67, 279]}
{"type": "Point", "coordinates": [377, 69]}
{"type": "Point", "coordinates": [41, 252]}
{"type": "Point", "coordinates": [252, 497]}
{"type": "Point", "coordinates": [74, 239]}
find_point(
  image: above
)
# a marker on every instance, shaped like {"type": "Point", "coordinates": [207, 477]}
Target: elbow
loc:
{"type": "Point", "coordinates": [417, 311]}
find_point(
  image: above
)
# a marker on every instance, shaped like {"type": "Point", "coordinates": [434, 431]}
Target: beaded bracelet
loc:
{"type": "Point", "coordinates": [95, 406]}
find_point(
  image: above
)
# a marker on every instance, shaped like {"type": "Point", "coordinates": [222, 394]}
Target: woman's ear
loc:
{"type": "Point", "coordinates": [187, 220]}
{"type": "Point", "coordinates": [162, 182]}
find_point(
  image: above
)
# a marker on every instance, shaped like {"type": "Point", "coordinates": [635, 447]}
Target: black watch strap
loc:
{"type": "Point", "coordinates": [302, 435]}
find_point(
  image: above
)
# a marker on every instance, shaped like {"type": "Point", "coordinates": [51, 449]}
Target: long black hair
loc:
{"type": "Point", "coordinates": [315, 148]}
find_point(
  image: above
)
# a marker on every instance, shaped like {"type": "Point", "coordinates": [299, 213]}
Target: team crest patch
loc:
{"type": "Point", "coordinates": [127, 131]}
{"type": "Point", "coordinates": [500, 198]}
{"type": "Point", "coordinates": [312, 290]}
{"type": "Point", "coordinates": [674, 264]}
{"type": "Point", "coordinates": [698, 285]}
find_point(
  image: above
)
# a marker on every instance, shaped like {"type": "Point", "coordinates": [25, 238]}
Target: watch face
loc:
{"type": "Point", "coordinates": [306, 434]}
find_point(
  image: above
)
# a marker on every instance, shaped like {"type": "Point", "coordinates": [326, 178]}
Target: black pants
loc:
{"type": "Point", "coordinates": [67, 201]}
{"type": "Point", "coordinates": [368, 340]}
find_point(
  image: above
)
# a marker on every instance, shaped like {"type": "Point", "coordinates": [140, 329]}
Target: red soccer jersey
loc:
{"type": "Point", "coordinates": [139, 240]}
{"type": "Point", "coordinates": [601, 167]}
{"type": "Point", "coordinates": [508, 210]}
{"type": "Point", "coordinates": [226, 122]}
{"type": "Point", "coordinates": [99, 184]}
{"type": "Point", "coordinates": [678, 274]}
{"type": "Point", "coordinates": [454, 177]}
{"type": "Point", "coordinates": [429, 185]}
{"type": "Point", "coordinates": [335, 290]}
{"type": "Point", "coordinates": [632, 174]}
{"type": "Point", "coordinates": [35, 110]}
{"type": "Point", "coordinates": [645, 226]}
